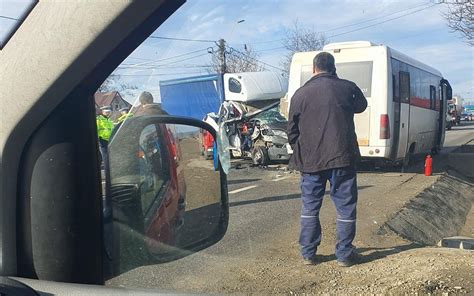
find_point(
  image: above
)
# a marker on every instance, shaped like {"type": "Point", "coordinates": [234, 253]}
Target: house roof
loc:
{"type": "Point", "coordinates": [105, 98]}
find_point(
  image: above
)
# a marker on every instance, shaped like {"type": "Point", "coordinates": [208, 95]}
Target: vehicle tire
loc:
{"type": "Point", "coordinates": [260, 156]}
{"type": "Point", "coordinates": [408, 160]}
{"type": "Point", "coordinates": [435, 150]}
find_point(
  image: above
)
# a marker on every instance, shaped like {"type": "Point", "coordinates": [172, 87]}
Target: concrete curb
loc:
{"type": "Point", "coordinates": [435, 213]}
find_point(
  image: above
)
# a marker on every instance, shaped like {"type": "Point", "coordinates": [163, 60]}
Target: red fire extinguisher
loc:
{"type": "Point", "coordinates": [428, 165]}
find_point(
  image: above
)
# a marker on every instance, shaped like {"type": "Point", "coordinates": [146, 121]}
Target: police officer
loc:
{"type": "Point", "coordinates": [322, 134]}
{"type": "Point", "coordinates": [124, 114]}
{"type": "Point", "coordinates": [104, 128]}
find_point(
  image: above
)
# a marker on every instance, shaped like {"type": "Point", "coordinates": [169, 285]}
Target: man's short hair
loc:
{"type": "Point", "coordinates": [146, 98]}
{"type": "Point", "coordinates": [324, 62]}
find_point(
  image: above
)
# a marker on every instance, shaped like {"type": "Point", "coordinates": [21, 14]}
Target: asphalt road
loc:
{"type": "Point", "coordinates": [264, 223]}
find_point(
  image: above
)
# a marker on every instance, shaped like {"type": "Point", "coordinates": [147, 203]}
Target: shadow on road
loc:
{"type": "Point", "coordinates": [375, 253]}
{"type": "Point", "coordinates": [276, 198]}
{"type": "Point", "coordinates": [380, 253]}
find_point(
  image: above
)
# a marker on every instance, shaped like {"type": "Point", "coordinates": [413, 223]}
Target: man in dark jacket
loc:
{"type": "Point", "coordinates": [322, 134]}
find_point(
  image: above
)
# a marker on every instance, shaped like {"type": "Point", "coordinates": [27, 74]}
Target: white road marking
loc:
{"type": "Point", "coordinates": [282, 178]}
{"type": "Point", "coordinates": [242, 189]}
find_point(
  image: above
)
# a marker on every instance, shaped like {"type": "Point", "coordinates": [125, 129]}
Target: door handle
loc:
{"type": "Point", "coordinates": [403, 125]}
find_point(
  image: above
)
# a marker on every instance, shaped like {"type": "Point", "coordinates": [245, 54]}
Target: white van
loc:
{"type": "Point", "coordinates": [406, 99]}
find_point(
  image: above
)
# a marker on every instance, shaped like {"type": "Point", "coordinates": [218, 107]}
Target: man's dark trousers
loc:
{"type": "Point", "coordinates": [344, 195]}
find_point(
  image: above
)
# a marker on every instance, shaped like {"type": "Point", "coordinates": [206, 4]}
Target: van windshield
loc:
{"type": "Point", "coordinates": [358, 72]}
{"type": "Point", "coordinates": [272, 115]}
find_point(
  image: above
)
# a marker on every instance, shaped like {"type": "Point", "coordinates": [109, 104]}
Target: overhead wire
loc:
{"type": "Point", "coordinates": [257, 60]}
{"type": "Point", "coordinates": [355, 24]}
{"type": "Point", "coordinates": [9, 18]}
{"type": "Point", "coordinates": [379, 23]}
{"type": "Point", "coordinates": [376, 18]}
{"type": "Point", "coordinates": [137, 69]}
{"type": "Point", "coordinates": [182, 39]}
{"type": "Point", "coordinates": [170, 58]}
{"type": "Point", "coordinates": [152, 65]}
{"type": "Point", "coordinates": [158, 74]}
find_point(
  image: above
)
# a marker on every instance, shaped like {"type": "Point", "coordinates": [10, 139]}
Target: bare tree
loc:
{"type": "Point", "coordinates": [460, 18]}
{"type": "Point", "coordinates": [236, 61]}
{"type": "Point", "coordinates": [115, 83]}
{"type": "Point", "coordinates": [300, 39]}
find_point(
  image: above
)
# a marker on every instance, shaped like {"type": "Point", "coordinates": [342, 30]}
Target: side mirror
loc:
{"type": "Point", "coordinates": [449, 93]}
{"type": "Point", "coordinates": [166, 197]}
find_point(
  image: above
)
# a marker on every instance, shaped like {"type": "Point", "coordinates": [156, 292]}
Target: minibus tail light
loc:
{"type": "Point", "coordinates": [384, 127]}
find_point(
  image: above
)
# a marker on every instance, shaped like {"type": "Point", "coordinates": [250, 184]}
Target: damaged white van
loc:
{"type": "Point", "coordinates": [251, 116]}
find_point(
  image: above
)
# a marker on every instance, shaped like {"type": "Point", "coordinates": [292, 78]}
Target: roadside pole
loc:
{"type": "Point", "coordinates": [221, 55]}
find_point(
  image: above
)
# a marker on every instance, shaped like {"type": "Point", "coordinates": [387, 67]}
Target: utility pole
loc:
{"type": "Point", "coordinates": [221, 55]}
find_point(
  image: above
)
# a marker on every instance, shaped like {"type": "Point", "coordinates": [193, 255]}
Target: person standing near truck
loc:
{"type": "Point", "coordinates": [322, 135]}
{"type": "Point", "coordinates": [124, 114]}
{"type": "Point", "coordinates": [104, 129]}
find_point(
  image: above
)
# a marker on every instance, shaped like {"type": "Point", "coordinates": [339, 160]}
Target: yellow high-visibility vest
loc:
{"type": "Point", "coordinates": [104, 127]}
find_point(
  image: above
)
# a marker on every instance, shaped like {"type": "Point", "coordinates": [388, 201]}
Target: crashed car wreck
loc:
{"type": "Point", "coordinates": [251, 118]}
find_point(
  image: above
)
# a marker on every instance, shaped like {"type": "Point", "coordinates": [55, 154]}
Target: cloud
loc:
{"type": "Point", "coordinates": [422, 35]}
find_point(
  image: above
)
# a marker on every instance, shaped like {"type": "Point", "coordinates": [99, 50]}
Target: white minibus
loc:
{"type": "Point", "coordinates": [406, 111]}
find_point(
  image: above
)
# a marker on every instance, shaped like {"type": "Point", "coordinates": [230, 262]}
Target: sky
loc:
{"type": "Point", "coordinates": [414, 27]}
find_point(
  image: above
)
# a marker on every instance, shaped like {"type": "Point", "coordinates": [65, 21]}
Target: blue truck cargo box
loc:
{"type": "Point", "coordinates": [192, 96]}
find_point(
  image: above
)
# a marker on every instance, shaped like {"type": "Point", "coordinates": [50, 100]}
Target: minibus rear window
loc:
{"type": "Point", "coordinates": [358, 72]}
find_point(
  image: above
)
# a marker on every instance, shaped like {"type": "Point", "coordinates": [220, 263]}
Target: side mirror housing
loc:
{"type": "Point", "coordinates": [165, 198]}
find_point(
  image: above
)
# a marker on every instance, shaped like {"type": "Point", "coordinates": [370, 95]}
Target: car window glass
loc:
{"type": "Point", "coordinates": [12, 14]}
{"type": "Point", "coordinates": [165, 193]}
{"type": "Point", "coordinates": [234, 85]}
{"type": "Point", "coordinates": [154, 165]}
{"type": "Point", "coordinates": [163, 182]}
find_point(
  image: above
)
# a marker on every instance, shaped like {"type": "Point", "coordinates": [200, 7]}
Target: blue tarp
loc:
{"type": "Point", "coordinates": [192, 96]}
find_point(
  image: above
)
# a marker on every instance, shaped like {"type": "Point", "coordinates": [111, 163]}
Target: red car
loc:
{"type": "Point", "coordinates": [148, 192]}
{"type": "Point", "coordinates": [207, 144]}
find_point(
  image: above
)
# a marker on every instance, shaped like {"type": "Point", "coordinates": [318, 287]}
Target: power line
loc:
{"type": "Point", "coordinates": [181, 39]}
{"type": "Point", "coordinates": [137, 69]}
{"type": "Point", "coordinates": [157, 74]}
{"type": "Point", "coordinates": [169, 58]}
{"type": "Point", "coordinates": [411, 36]}
{"type": "Point", "coordinates": [140, 59]}
{"type": "Point", "coordinates": [131, 66]}
{"type": "Point", "coordinates": [379, 23]}
{"type": "Point", "coordinates": [271, 49]}
{"type": "Point", "coordinates": [376, 18]}
{"type": "Point", "coordinates": [9, 18]}
{"type": "Point", "coordinates": [252, 58]}
{"type": "Point", "coordinates": [351, 25]}
{"type": "Point", "coordinates": [189, 58]}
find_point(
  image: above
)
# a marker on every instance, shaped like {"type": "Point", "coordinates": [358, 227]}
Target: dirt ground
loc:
{"type": "Point", "coordinates": [390, 265]}
{"type": "Point", "coordinates": [403, 270]}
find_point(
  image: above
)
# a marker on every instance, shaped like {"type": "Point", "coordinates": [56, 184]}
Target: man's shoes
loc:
{"type": "Point", "coordinates": [310, 261]}
{"type": "Point", "coordinates": [353, 259]}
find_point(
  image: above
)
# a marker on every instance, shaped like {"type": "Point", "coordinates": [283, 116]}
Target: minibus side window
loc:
{"type": "Point", "coordinates": [395, 94]}
{"type": "Point", "coordinates": [433, 97]}
{"type": "Point", "coordinates": [405, 87]}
